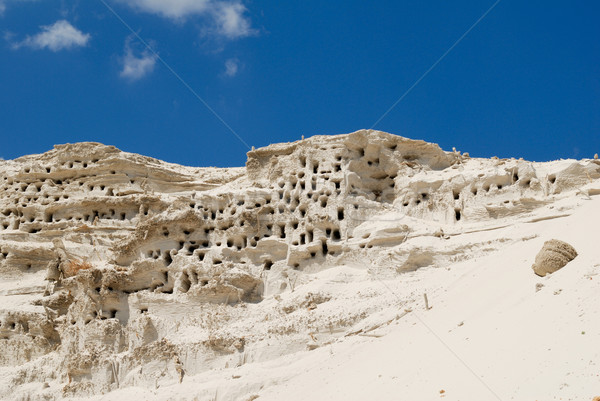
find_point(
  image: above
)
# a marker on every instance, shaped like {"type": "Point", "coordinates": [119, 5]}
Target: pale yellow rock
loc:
{"type": "Point", "coordinates": [553, 256]}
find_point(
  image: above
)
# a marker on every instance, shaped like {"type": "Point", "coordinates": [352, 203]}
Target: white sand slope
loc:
{"type": "Point", "coordinates": [489, 335]}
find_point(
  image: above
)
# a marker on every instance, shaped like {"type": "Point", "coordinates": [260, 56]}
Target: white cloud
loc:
{"type": "Point", "coordinates": [227, 17]}
{"type": "Point", "coordinates": [231, 67]}
{"type": "Point", "coordinates": [137, 67]}
{"type": "Point", "coordinates": [231, 21]}
{"type": "Point", "coordinates": [3, 4]}
{"type": "Point", "coordinates": [170, 8]}
{"type": "Point", "coordinates": [58, 36]}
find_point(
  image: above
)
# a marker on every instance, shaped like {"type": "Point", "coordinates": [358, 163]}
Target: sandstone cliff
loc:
{"type": "Point", "coordinates": [121, 270]}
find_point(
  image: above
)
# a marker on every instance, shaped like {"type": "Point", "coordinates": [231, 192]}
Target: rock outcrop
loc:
{"type": "Point", "coordinates": [113, 263]}
{"type": "Point", "coordinates": [553, 256]}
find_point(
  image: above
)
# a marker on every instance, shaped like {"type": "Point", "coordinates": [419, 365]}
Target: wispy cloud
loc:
{"type": "Point", "coordinates": [228, 18]}
{"type": "Point", "coordinates": [174, 9]}
{"type": "Point", "coordinates": [231, 67]}
{"type": "Point", "coordinates": [231, 21]}
{"type": "Point", "coordinates": [3, 4]}
{"type": "Point", "coordinates": [59, 36]}
{"type": "Point", "coordinates": [137, 66]}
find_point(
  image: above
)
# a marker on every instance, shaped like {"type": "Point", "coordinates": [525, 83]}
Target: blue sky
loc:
{"type": "Point", "coordinates": [525, 81]}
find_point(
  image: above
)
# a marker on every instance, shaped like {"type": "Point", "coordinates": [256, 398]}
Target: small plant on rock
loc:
{"type": "Point", "coordinates": [75, 266]}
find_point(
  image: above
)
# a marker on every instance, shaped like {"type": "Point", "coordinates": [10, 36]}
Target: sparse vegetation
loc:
{"type": "Point", "coordinates": [74, 266]}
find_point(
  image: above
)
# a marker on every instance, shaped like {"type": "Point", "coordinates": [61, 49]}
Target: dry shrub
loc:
{"type": "Point", "coordinates": [74, 266]}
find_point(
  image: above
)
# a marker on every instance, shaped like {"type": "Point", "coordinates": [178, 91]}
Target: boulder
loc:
{"type": "Point", "coordinates": [553, 256]}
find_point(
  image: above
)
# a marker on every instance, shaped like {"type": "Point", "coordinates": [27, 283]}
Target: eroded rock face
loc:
{"type": "Point", "coordinates": [553, 256]}
{"type": "Point", "coordinates": [113, 264]}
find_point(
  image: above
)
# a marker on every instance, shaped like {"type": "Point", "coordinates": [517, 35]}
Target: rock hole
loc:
{"type": "Point", "coordinates": [268, 264]}
{"type": "Point", "coordinates": [282, 230]}
{"type": "Point", "coordinates": [457, 214]}
{"type": "Point", "coordinates": [185, 282]}
{"type": "Point", "coordinates": [456, 194]}
{"type": "Point", "coordinates": [552, 179]}
{"type": "Point", "coordinates": [302, 161]}
{"type": "Point", "coordinates": [324, 248]}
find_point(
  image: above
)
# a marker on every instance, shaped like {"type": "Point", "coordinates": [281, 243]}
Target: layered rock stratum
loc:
{"type": "Point", "coordinates": [122, 271]}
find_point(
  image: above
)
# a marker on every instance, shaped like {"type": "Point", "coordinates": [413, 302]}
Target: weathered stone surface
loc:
{"type": "Point", "coordinates": [553, 256]}
{"type": "Point", "coordinates": [113, 263]}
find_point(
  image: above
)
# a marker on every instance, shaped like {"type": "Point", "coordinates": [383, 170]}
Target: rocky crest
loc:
{"type": "Point", "coordinates": [121, 270]}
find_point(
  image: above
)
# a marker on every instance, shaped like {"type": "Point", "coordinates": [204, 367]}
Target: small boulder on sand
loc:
{"type": "Point", "coordinates": [553, 256]}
